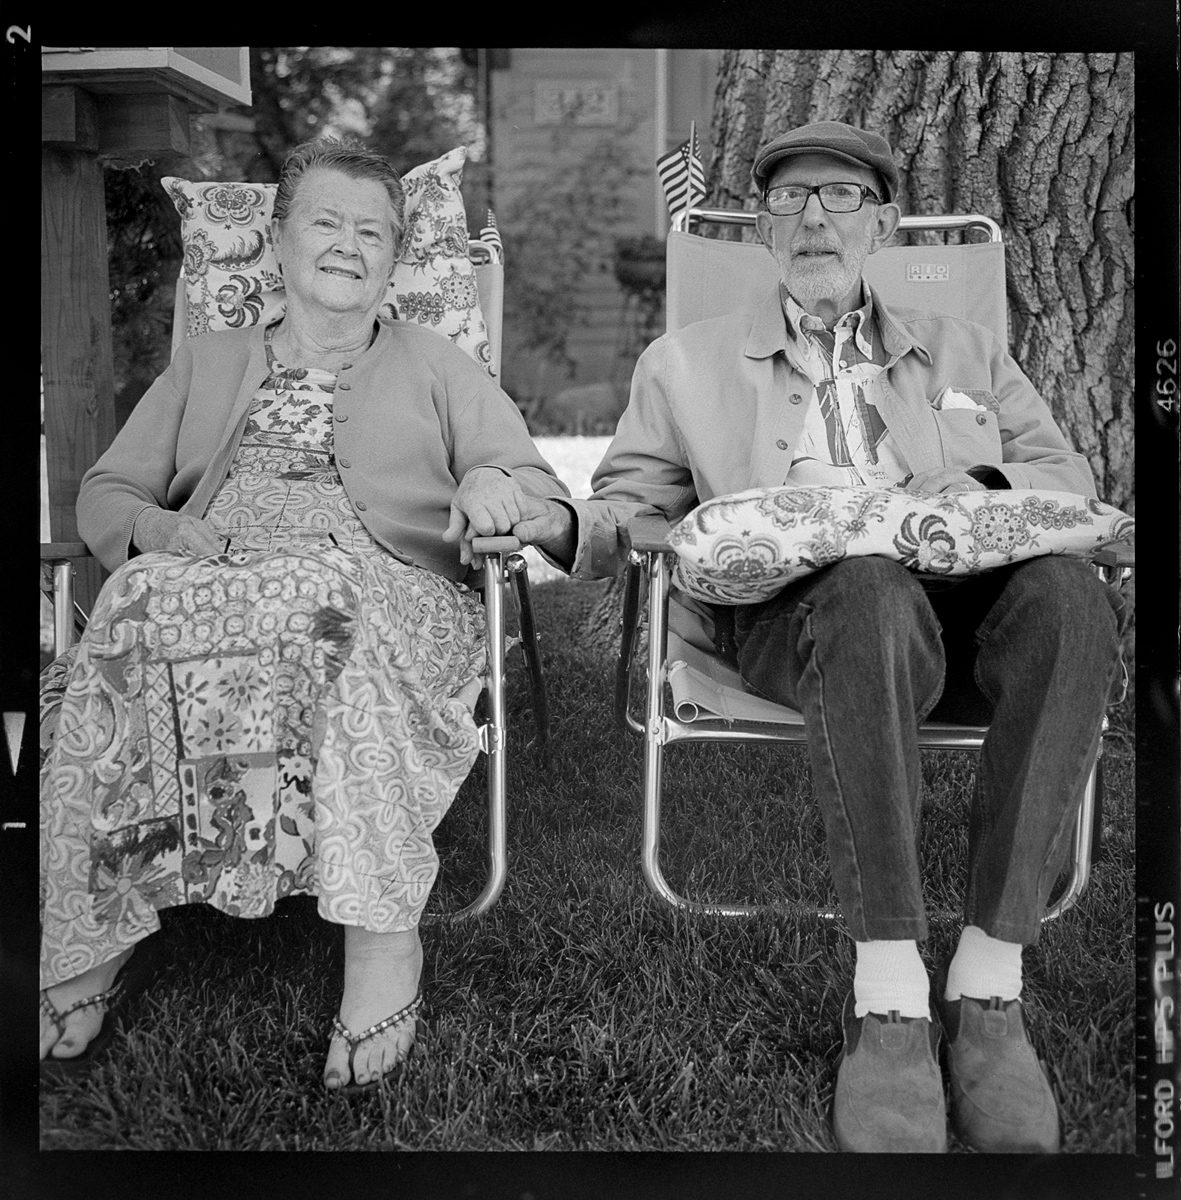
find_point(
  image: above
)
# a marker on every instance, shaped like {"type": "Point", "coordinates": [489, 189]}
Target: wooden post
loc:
{"type": "Point", "coordinates": [76, 356]}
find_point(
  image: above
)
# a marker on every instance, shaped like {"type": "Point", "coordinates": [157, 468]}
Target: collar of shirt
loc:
{"type": "Point", "coordinates": [770, 333]}
{"type": "Point", "coordinates": [859, 320]}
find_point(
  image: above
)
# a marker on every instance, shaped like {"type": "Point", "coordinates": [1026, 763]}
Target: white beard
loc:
{"type": "Point", "coordinates": [808, 281]}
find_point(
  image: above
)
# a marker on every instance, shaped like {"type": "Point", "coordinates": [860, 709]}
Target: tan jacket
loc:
{"type": "Point", "coordinates": [411, 416]}
{"type": "Point", "coordinates": [716, 408]}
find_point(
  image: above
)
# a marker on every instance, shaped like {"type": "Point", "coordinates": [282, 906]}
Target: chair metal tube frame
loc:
{"type": "Point", "coordinates": [944, 223]}
{"type": "Point", "coordinates": [660, 730]}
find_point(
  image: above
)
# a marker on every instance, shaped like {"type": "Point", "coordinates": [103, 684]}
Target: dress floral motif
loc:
{"type": "Point", "coordinates": [277, 719]}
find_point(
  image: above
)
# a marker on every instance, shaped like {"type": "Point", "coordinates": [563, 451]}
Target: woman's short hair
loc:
{"type": "Point", "coordinates": [349, 157]}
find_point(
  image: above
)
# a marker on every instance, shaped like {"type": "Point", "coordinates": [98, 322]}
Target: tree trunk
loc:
{"type": "Point", "coordinates": [1042, 143]}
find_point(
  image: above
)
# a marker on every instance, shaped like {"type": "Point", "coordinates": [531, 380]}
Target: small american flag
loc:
{"type": "Point", "coordinates": [490, 236]}
{"type": "Point", "coordinates": [681, 174]}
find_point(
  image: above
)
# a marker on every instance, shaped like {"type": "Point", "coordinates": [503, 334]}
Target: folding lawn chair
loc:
{"type": "Point", "coordinates": [502, 565]}
{"type": "Point", "coordinates": [691, 695]}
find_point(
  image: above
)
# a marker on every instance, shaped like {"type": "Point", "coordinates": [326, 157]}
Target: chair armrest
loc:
{"type": "Point", "coordinates": [648, 535]}
{"type": "Point", "coordinates": [58, 551]}
{"type": "Point", "coordinates": [495, 545]}
{"type": "Point", "coordinates": [1115, 554]}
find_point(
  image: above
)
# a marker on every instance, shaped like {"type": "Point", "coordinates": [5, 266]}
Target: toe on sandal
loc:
{"type": "Point", "coordinates": [403, 1016]}
{"type": "Point", "coordinates": [130, 980]}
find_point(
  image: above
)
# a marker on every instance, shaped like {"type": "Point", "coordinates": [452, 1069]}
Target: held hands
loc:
{"type": "Point", "coordinates": [160, 529]}
{"type": "Point", "coordinates": [490, 503]}
{"type": "Point", "coordinates": [944, 479]}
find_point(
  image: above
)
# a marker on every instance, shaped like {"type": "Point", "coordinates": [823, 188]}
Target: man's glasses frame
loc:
{"type": "Point", "coordinates": [826, 200]}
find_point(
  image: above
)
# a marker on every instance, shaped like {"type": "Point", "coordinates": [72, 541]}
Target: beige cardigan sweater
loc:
{"type": "Point", "coordinates": [411, 416]}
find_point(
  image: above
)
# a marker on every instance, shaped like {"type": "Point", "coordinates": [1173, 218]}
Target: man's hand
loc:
{"type": "Point", "coordinates": [488, 503]}
{"type": "Point", "coordinates": [550, 525]}
{"type": "Point", "coordinates": [159, 529]}
{"type": "Point", "coordinates": [945, 479]}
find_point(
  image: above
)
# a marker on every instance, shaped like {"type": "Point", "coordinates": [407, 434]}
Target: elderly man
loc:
{"type": "Point", "coordinates": [823, 383]}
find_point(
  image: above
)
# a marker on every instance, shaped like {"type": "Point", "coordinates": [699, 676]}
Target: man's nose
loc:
{"type": "Point", "coordinates": [813, 213]}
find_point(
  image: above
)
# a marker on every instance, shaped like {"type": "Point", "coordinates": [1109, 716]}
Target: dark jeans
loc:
{"type": "Point", "coordinates": [866, 652]}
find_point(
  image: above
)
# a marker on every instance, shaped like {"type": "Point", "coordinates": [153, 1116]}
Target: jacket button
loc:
{"type": "Point", "coordinates": [338, 416]}
{"type": "Point", "coordinates": [981, 420]}
{"type": "Point", "coordinates": [781, 444]}
{"type": "Point", "coordinates": [344, 462]}
{"type": "Point", "coordinates": [362, 505]}
{"type": "Point", "coordinates": [795, 398]}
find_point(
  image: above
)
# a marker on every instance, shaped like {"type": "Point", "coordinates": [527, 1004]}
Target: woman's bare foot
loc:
{"type": "Point", "coordinates": [83, 1024]}
{"type": "Point", "coordinates": [381, 975]}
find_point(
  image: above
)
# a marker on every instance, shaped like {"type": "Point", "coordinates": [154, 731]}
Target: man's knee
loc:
{"type": "Point", "coordinates": [871, 591]}
{"type": "Point", "coordinates": [1062, 594]}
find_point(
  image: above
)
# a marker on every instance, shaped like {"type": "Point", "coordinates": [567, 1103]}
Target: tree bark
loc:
{"type": "Point", "coordinates": [1042, 143]}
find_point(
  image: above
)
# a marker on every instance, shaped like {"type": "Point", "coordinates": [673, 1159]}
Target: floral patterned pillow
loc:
{"type": "Point", "coordinates": [743, 548]}
{"type": "Point", "coordinates": [232, 277]}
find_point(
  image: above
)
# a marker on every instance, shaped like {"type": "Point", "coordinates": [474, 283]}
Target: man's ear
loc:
{"type": "Point", "coordinates": [885, 225]}
{"type": "Point", "coordinates": [766, 229]}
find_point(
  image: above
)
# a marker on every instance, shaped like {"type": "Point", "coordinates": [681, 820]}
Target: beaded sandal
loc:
{"type": "Point", "coordinates": [131, 979]}
{"type": "Point", "coordinates": [403, 1016]}
{"type": "Point", "coordinates": [52, 1065]}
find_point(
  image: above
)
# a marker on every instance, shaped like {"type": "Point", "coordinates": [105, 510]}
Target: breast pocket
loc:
{"type": "Point", "coordinates": [969, 437]}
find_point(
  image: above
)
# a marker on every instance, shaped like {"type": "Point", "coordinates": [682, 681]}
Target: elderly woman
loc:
{"type": "Point", "coordinates": [274, 693]}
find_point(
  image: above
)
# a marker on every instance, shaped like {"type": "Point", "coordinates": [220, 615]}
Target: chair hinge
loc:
{"type": "Point", "coordinates": [490, 738]}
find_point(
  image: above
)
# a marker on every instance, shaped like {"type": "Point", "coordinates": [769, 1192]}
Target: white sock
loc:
{"type": "Point", "coordinates": [984, 966]}
{"type": "Point", "coordinates": [890, 976]}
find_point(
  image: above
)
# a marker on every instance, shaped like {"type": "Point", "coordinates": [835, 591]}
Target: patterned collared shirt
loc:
{"type": "Point", "coordinates": [845, 440]}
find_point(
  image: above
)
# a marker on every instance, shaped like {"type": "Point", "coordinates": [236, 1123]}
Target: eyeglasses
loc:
{"type": "Point", "coordinates": [791, 198]}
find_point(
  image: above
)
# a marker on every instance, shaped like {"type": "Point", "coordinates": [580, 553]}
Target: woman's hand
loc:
{"type": "Point", "coordinates": [488, 503]}
{"type": "Point", "coordinates": [159, 529]}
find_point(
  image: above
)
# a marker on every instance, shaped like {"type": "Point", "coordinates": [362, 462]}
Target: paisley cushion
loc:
{"type": "Point", "coordinates": [743, 548]}
{"type": "Point", "coordinates": [232, 277]}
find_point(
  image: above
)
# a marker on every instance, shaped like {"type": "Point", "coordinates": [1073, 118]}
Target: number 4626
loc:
{"type": "Point", "coordinates": [1166, 374]}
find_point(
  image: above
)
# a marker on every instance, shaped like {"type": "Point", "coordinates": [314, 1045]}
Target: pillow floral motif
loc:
{"type": "Point", "coordinates": [232, 277]}
{"type": "Point", "coordinates": [743, 548]}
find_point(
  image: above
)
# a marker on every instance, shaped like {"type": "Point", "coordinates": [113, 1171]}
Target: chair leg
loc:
{"type": "Point", "coordinates": [654, 738]}
{"type": "Point", "coordinates": [493, 742]}
{"type": "Point", "coordinates": [519, 571]}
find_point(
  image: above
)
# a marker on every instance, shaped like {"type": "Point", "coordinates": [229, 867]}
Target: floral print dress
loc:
{"type": "Point", "coordinates": [278, 719]}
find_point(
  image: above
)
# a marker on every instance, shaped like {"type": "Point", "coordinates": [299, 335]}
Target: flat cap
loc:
{"type": "Point", "coordinates": [837, 139]}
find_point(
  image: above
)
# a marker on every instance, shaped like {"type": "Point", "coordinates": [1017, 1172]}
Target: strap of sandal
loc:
{"type": "Point", "coordinates": [58, 1016]}
{"type": "Point", "coordinates": [400, 1017]}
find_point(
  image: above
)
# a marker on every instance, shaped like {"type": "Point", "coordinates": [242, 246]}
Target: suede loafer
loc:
{"type": "Point", "coordinates": [889, 1091]}
{"type": "Point", "coordinates": [1001, 1099]}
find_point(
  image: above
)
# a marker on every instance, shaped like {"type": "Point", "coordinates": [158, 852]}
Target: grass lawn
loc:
{"type": "Point", "coordinates": [580, 1014]}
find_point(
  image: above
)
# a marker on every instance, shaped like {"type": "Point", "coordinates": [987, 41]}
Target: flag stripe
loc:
{"type": "Point", "coordinates": [682, 175]}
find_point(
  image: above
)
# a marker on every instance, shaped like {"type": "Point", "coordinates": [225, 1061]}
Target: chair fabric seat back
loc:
{"type": "Point", "coordinates": [707, 277]}
{"type": "Point", "coordinates": [489, 283]}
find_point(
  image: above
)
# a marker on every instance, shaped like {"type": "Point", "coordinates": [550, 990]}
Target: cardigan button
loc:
{"type": "Point", "coordinates": [344, 387]}
{"type": "Point", "coordinates": [795, 398]}
{"type": "Point", "coordinates": [781, 444]}
{"type": "Point", "coordinates": [981, 420]}
{"type": "Point", "coordinates": [344, 462]}
{"type": "Point", "coordinates": [362, 505]}
{"type": "Point", "coordinates": [339, 416]}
